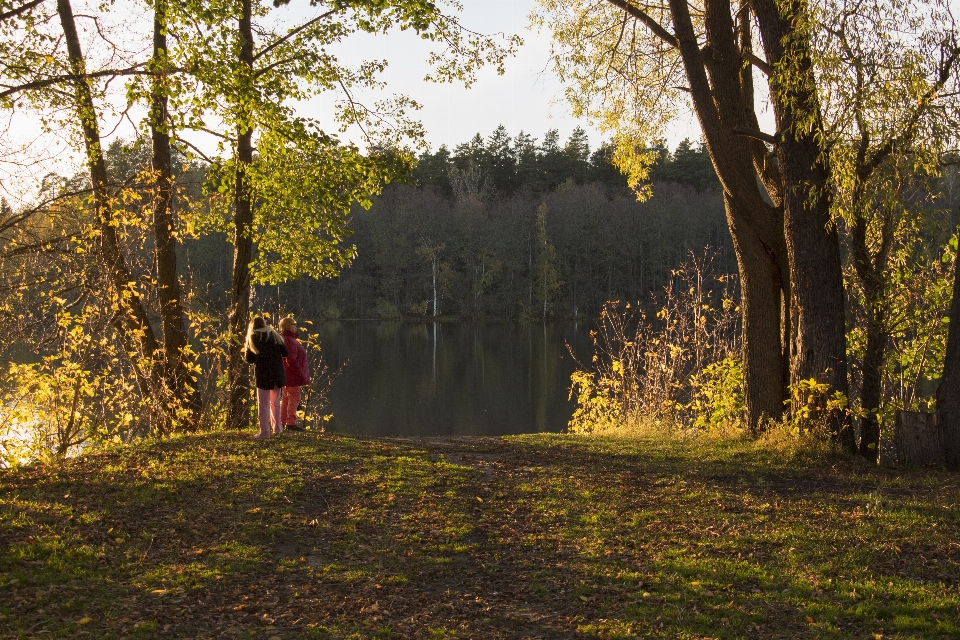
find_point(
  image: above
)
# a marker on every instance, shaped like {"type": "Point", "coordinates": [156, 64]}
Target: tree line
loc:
{"type": "Point", "coordinates": [504, 227]}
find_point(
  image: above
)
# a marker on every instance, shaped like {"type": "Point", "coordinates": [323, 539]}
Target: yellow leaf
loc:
{"type": "Point", "coordinates": [85, 620]}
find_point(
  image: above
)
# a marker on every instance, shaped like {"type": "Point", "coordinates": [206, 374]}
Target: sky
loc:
{"type": "Point", "coordinates": [527, 97]}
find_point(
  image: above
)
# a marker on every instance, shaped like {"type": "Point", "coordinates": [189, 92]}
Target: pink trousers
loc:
{"type": "Point", "coordinates": [288, 405]}
{"type": "Point", "coordinates": [268, 410]}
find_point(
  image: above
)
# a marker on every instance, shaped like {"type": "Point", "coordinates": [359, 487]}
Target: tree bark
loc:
{"type": "Point", "coordinates": [131, 320]}
{"type": "Point", "coordinates": [871, 269]}
{"type": "Point", "coordinates": [761, 289]}
{"type": "Point", "coordinates": [722, 94]}
{"type": "Point", "coordinates": [818, 336]}
{"type": "Point", "coordinates": [175, 338]}
{"type": "Point", "coordinates": [948, 393]}
{"type": "Point", "coordinates": [238, 374]}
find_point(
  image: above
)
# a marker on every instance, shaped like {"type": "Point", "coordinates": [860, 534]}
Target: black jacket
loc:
{"type": "Point", "coordinates": [268, 363]}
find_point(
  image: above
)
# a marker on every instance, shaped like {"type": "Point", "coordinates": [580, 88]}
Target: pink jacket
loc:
{"type": "Point", "coordinates": [295, 364]}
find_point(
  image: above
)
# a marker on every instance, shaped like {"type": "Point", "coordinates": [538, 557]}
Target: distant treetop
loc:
{"type": "Point", "coordinates": [501, 165]}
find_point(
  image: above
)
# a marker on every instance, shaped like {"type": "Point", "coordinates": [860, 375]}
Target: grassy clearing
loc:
{"type": "Point", "coordinates": [309, 536]}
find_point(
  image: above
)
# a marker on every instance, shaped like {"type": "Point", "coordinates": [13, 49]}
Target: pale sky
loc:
{"type": "Point", "coordinates": [527, 97]}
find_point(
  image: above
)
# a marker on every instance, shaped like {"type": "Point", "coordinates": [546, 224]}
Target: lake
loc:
{"type": "Point", "coordinates": [451, 378]}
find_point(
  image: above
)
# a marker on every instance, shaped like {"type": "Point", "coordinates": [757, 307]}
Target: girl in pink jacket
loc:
{"type": "Point", "coordinates": [297, 372]}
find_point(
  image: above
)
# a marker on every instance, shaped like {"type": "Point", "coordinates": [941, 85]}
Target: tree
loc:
{"type": "Point", "coordinates": [948, 393]}
{"type": "Point", "coordinates": [431, 253]}
{"type": "Point", "coordinates": [131, 321]}
{"type": "Point", "coordinates": [546, 280]}
{"type": "Point", "coordinates": [628, 72]}
{"type": "Point", "coordinates": [891, 115]}
{"type": "Point", "coordinates": [176, 358]}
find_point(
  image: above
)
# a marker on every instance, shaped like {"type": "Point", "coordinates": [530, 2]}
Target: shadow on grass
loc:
{"type": "Point", "coordinates": [218, 535]}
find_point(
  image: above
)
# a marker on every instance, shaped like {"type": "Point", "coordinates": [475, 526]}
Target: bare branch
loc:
{"type": "Point", "coordinates": [758, 62]}
{"type": "Point", "coordinates": [194, 148]}
{"type": "Point", "coordinates": [73, 77]}
{"type": "Point", "coordinates": [757, 135]}
{"type": "Point", "coordinates": [276, 43]}
{"type": "Point", "coordinates": [654, 26]}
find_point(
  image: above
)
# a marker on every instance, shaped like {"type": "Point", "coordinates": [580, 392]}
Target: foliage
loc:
{"type": "Point", "coordinates": [599, 401]}
{"type": "Point", "coordinates": [812, 402]}
{"type": "Point", "coordinates": [916, 316]}
{"type": "Point", "coordinates": [79, 393]}
{"type": "Point", "coordinates": [304, 192]}
{"type": "Point", "coordinates": [718, 396]}
{"type": "Point", "coordinates": [682, 366]}
{"type": "Point", "coordinates": [618, 74]}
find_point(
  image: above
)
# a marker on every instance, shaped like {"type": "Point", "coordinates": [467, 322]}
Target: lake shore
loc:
{"type": "Point", "coordinates": [320, 535]}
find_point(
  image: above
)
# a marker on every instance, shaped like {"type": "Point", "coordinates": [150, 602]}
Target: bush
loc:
{"type": "Point", "coordinates": [680, 367]}
{"type": "Point", "coordinates": [387, 310]}
{"type": "Point", "coordinates": [718, 402]}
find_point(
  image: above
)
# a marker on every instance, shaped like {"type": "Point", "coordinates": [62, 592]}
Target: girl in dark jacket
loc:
{"type": "Point", "coordinates": [265, 349]}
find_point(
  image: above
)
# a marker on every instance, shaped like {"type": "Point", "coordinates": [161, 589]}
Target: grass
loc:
{"type": "Point", "coordinates": [310, 536]}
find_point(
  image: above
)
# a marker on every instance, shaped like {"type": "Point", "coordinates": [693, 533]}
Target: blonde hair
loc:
{"type": "Point", "coordinates": [286, 323]}
{"type": "Point", "coordinates": [258, 324]}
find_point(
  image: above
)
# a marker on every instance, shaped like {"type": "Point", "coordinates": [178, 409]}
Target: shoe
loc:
{"type": "Point", "coordinates": [260, 436]}
{"type": "Point", "coordinates": [293, 427]}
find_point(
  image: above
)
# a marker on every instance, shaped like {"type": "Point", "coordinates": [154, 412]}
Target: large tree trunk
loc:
{"type": "Point", "coordinates": [761, 293]}
{"type": "Point", "coordinates": [948, 393]}
{"type": "Point", "coordinates": [131, 321]}
{"type": "Point", "coordinates": [238, 374]}
{"type": "Point", "coordinates": [818, 344]}
{"type": "Point", "coordinates": [175, 338]}
{"type": "Point", "coordinates": [723, 103]}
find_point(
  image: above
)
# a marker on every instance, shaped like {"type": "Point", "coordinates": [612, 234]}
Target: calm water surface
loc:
{"type": "Point", "coordinates": [451, 378]}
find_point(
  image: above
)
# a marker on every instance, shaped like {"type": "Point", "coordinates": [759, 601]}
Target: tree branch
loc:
{"type": "Point", "coordinates": [13, 13]}
{"type": "Point", "coordinates": [273, 45]}
{"type": "Point", "coordinates": [909, 128]}
{"type": "Point", "coordinates": [756, 134]}
{"type": "Point", "coordinates": [758, 62]}
{"type": "Point", "coordinates": [654, 26]}
{"type": "Point", "coordinates": [73, 77]}
{"type": "Point", "coordinates": [195, 149]}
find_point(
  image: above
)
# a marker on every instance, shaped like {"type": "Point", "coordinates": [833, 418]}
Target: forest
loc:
{"type": "Point", "coordinates": [464, 225]}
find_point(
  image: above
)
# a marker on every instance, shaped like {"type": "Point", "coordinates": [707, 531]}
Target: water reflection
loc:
{"type": "Point", "coordinates": [451, 378]}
